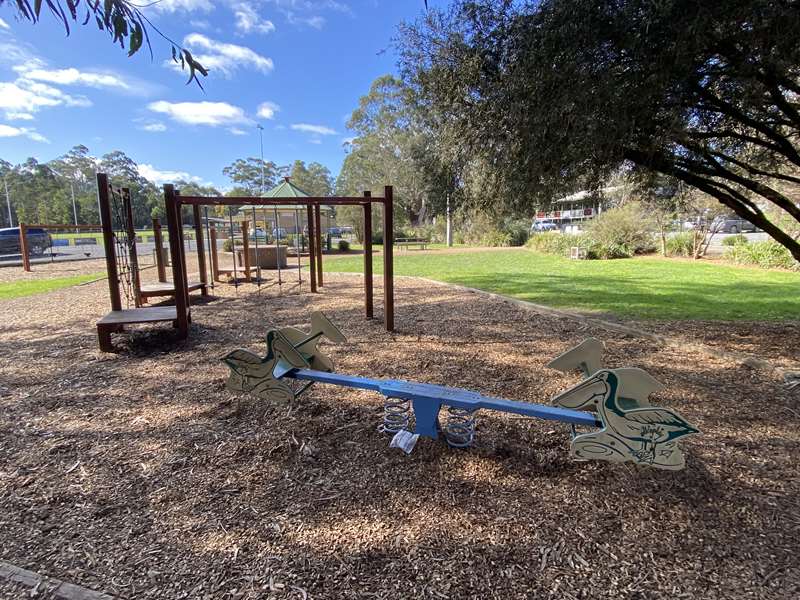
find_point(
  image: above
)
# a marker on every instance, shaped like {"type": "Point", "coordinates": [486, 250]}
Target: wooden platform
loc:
{"type": "Point", "coordinates": [166, 288]}
{"type": "Point", "coordinates": [117, 319]}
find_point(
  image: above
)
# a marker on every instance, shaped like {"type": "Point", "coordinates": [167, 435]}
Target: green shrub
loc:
{"type": "Point", "coordinates": [555, 242]}
{"type": "Point", "coordinates": [733, 240]}
{"type": "Point", "coordinates": [622, 232]}
{"type": "Point", "coordinates": [377, 237]}
{"type": "Point", "coordinates": [227, 245]}
{"type": "Point", "coordinates": [518, 232]}
{"type": "Point", "coordinates": [344, 246]}
{"type": "Point", "coordinates": [767, 255]}
{"type": "Point", "coordinates": [681, 244]}
{"type": "Point", "coordinates": [495, 237]}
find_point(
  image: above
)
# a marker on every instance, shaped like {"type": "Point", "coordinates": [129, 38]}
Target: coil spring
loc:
{"type": "Point", "coordinates": [396, 414]}
{"type": "Point", "coordinates": [460, 428]}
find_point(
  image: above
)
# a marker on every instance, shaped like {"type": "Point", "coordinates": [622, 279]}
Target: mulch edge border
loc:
{"type": "Point", "coordinates": [752, 362]}
{"type": "Point", "coordinates": [63, 590]}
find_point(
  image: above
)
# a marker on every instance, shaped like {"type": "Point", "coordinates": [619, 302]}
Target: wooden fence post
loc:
{"type": "Point", "coordinates": [178, 269]}
{"type": "Point", "coordinates": [23, 247]}
{"type": "Point", "coordinates": [388, 257]}
{"type": "Point", "coordinates": [214, 258]}
{"type": "Point", "coordinates": [158, 238]}
{"type": "Point", "coordinates": [108, 241]}
{"type": "Point", "coordinates": [312, 269]}
{"type": "Point", "coordinates": [318, 230]}
{"type": "Point", "coordinates": [201, 256]}
{"type": "Point", "coordinates": [246, 249]}
{"type": "Point", "coordinates": [368, 298]}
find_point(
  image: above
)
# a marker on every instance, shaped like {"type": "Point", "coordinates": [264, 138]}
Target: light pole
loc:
{"type": "Point", "coordinates": [261, 142]}
{"type": "Point", "coordinates": [74, 210]}
{"type": "Point", "coordinates": [8, 203]}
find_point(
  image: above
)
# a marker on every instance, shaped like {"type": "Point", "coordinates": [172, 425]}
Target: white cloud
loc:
{"type": "Point", "coordinates": [317, 129]}
{"type": "Point", "coordinates": [4, 25]}
{"type": "Point", "coordinates": [150, 173]}
{"type": "Point", "coordinates": [201, 113]}
{"type": "Point", "coordinates": [248, 20]}
{"type": "Point", "coordinates": [267, 110]}
{"type": "Point", "coordinates": [154, 127]}
{"type": "Point", "coordinates": [315, 141]}
{"type": "Point", "coordinates": [237, 131]}
{"type": "Point", "coordinates": [307, 12]}
{"type": "Point", "coordinates": [8, 131]}
{"type": "Point", "coordinates": [19, 116]}
{"type": "Point", "coordinates": [72, 76]}
{"type": "Point", "coordinates": [171, 6]}
{"type": "Point", "coordinates": [23, 97]}
{"type": "Point", "coordinates": [222, 57]}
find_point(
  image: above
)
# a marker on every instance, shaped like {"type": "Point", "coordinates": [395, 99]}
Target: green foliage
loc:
{"type": "Point", "coordinates": [551, 97]}
{"type": "Point", "coordinates": [314, 179]}
{"type": "Point", "coordinates": [681, 244]}
{"type": "Point", "coordinates": [246, 175]}
{"type": "Point", "coordinates": [621, 232]}
{"type": "Point", "coordinates": [121, 19]}
{"type": "Point", "coordinates": [228, 244]}
{"type": "Point", "coordinates": [344, 246]}
{"type": "Point", "coordinates": [495, 237]}
{"type": "Point", "coordinates": [518, 231]}
{"type": "Point", "coordinates": [767, 255]}
{"type": "Point", "coordinates": [733, 240]}
{"type": "Point", "coordinates": [555, 242]}
{"type": "Point", "coordinates": [616, 233]}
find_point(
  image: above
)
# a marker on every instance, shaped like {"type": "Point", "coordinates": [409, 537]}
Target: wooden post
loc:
{"type": "Point", "coordinates": [368, 298]}
{"type": "Point", "coordinates": [318, 230]}
{"type": "Point", "coordinates": [178, 269]}
{"type": "Point", "coordinates": [133, 257]}
{"type": "Point", "coordinates": [108, 241]}
{"type": "Point", "coordinates": [23, 247]}
{"type": "Point", "coordinates": [388, 257]}
{"type": "Point", "coordinates": [245, 250]}
{"type": "Point", "coordinates": [214, 259]}
{"type": "Point", "coordinates": [312, 268]}
{"type": "Point", "coordinates": [201, 255]}
{"type": "Point", "coordinates": [162, 272]}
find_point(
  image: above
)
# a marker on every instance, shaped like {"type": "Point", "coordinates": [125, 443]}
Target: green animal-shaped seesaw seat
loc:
{"type": "Point", "coordinates": [633, 430]}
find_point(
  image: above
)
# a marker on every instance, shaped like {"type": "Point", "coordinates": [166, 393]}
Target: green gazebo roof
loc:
{"type": "Point", "coordinates": [286, 189]}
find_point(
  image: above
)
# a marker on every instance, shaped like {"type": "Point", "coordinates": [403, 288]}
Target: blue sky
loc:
{"type": "Point", "coordinates": [298, 67]}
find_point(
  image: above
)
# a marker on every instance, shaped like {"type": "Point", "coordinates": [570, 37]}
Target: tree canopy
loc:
{"type": "Point", "coordinates": [555, 95]}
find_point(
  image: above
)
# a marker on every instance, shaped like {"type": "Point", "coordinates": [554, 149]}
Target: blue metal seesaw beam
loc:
{"type": "Point", "coordinates": [427, 399]}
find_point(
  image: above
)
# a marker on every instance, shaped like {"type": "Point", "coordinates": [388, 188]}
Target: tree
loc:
{"type": "Point", "coordinates": [559, 91]}
{"type": "Point", "coordinates": [147, 200]}
{"type": "Point", "coordinates": [246, 175]}
{"type": "Point", "coordinates": [314, 179]}
{"type": "Point", "coordinates": [122, 19]}
{"type": "Point", "coordinates": [391, 148]}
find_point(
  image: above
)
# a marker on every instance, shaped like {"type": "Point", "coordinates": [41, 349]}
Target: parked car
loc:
{"type": "Point", "coordinates": [731, 224]}
{"type": "Point", "coordinates": [279, 232]}
{"type": "Point", "coordinates": [544, 225]}
{"type": "Point", "coordinates": [38, 241]}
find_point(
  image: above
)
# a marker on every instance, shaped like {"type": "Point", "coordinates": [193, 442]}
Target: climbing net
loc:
{"type": "Point", "coordinates": [124, 243]}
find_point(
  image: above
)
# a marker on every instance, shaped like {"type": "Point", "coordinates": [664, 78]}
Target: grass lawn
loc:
{"type": "Point", "coordinates": [642, 288]}
{"type": "Point", "coordinates": [16, 289]}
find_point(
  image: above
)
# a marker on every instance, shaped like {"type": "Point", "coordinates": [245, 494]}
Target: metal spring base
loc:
{"type": "Point", "coordinates": [396, 415]}
{"type": "Point", "coordinates": [459, 431]}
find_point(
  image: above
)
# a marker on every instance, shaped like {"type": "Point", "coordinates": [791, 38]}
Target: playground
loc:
{"type": "Point", "coordinates": [139, 474]}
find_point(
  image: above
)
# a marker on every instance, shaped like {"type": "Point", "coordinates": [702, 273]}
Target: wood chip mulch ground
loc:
{"type": "Point", "coordinates": [138, 474]}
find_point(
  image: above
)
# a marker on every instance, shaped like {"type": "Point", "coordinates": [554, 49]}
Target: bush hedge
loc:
{"type": "Point", "coordinates": [733, 240]}
{"type": "Point", "coordinates": [681, 244]}
{"type": "Point", "coordinates": [767, 255]}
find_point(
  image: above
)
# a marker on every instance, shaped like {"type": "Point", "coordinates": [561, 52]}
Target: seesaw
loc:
{"type": "Point", "coordinates": [613, 402]}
